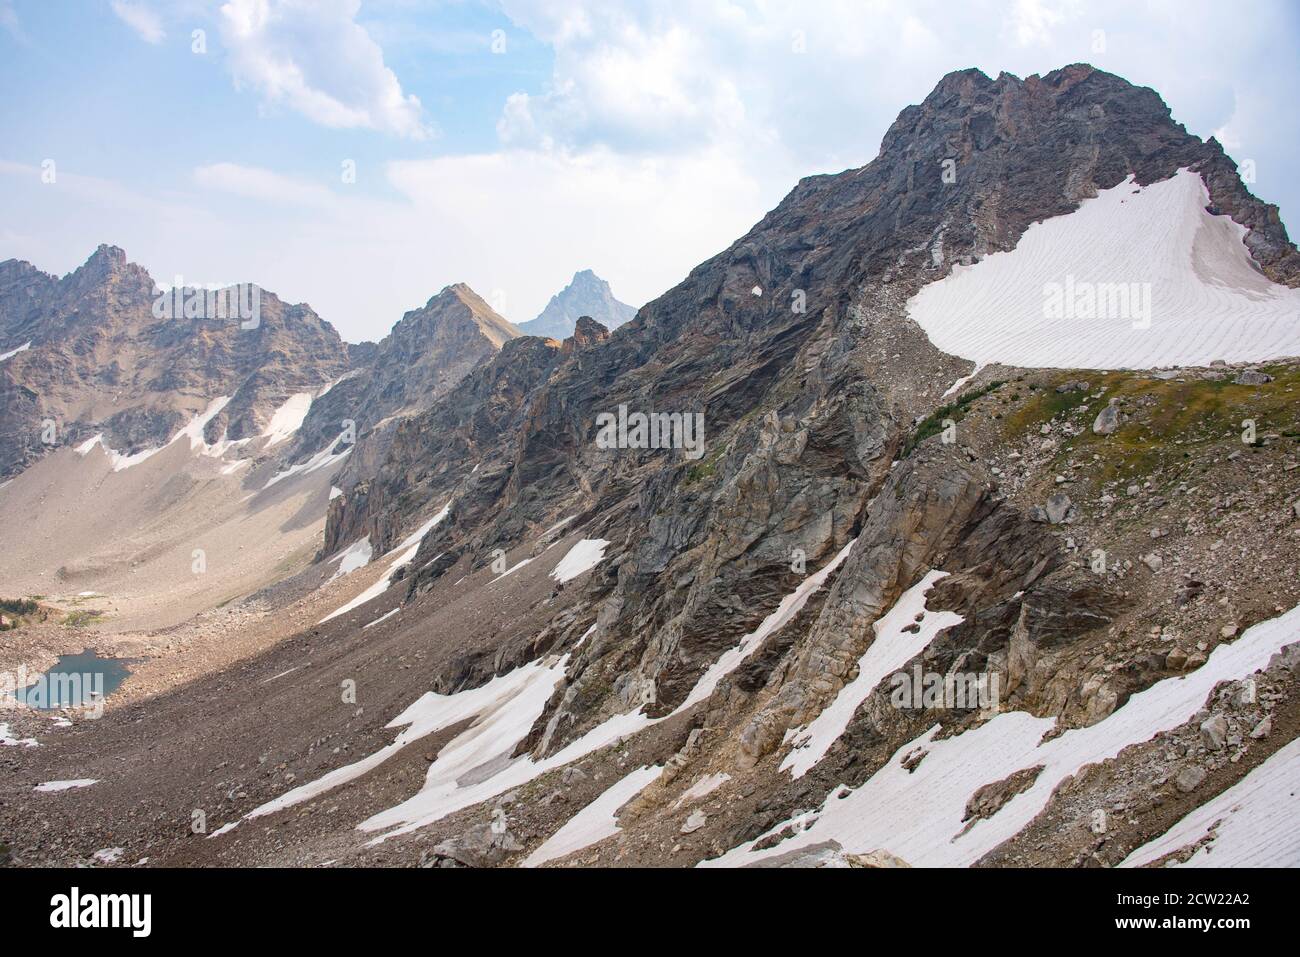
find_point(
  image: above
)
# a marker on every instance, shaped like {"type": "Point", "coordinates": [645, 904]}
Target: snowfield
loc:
{"type": "Point", "coordinates": [1155, 246]}
{"type": "Point", "coordinates": [582, 557]}
{"type": "Point", "coordinates": [1252, 824]}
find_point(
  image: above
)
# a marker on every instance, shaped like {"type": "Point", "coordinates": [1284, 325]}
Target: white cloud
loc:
{"type": "Point", "coordinates": [666, 130]}
{"type": "Point", "coordinates": [262, 184]}
{"type": "Point", "coordinates": [1032, 21]}
{"type": "Point", "coordinates": [522, 221]}
{"type": "Point", "coordinates": [312, 56]}
{"type": "Point", "coordinates": [141, 19]}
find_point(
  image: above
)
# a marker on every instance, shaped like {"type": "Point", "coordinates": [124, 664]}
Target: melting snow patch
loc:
{"type": "Point", "coordinates": [582, 557]}
{"type": "Point", "coordinates": [321, 460]}
{"type": "Point", "coordinates": [407, 549]}
{"type": "Point", "coordinates": [50, 786]}
{"type": "Point", "coordinates": [505, 707]}
{"type": "Point", "coordinates": [1252, 824]}
{"type": "Point", "coordinates": [383, 617]}
{"type": "Point", "coordinates": [11, 742]}
{"type": "Point", "coordinates": [790, 606]}
{"type": "Point", "coordinates": [109, 855]}
{"type": "Point", "coordinates": [287, 419]}
{"type": "Point", "coordinates": [477, 764]}
{"type": "Point", "coordinates": [595, 822]}
{"type": "Point", "coordinates": [13, 352]}
{"type": "Point", "coordinates": [1132, 279]}
{"type": "Point", "coordinates": [891, 648]}
{"type": "Point", "coordinates": [357, 555]}
{"type": "Point", "coordinates": [702, 788]}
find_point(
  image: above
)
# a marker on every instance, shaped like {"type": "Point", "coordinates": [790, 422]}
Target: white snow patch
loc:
{"type": "Point", "coordinates": [1253, 823]}
{"type": "Point", "coordinates": [505, 707]}
{"type": "Point", "coordinates": [703, 788]}
{"type": "Point", "coordinates": [383, 617]}
{"type": "Point", "coordinates": [109, 855]}
{"type": "Point", "coordinates": [321, 460]}
{"type": "Point", "coordinates": [8, 741]}
{"type": "Point", "coordinates": [192, 431]}
{"type": "Point", "coordinates": [224, 829]}
{"type": "Point", "coordinates": [51, 786]}
{"type": "Point", "coordinates": [1208, 299]}
{"type": "Point", "coordinates": [790, 606]}
{"type": "Point", "coordinates": [962, 381]}
{"type": "Point", "coordinates": [595, 822]}
{"type": "Point", "coordinates": [13, 352]}
{"type": "Point", "coordinates": [582, 557]}
{"type": "Point", "coordinates": [405, 552]}
{"type": "Point", "coordinates": [335, 492]}
{"type": "Point", "coordinates": [558, 525]}
{"type": "Point", "coordinates": [281, 674]}
{"type": "Point", "coordinates": [477, 764]}
{"type": "Point", "coordinates": [357, 555]}
{"type": "Point", "coordinates": [287, 419]}
{"type": "Point", "coordinates": [918, 815]}
{"type": "Point", "coordinates": [511, 570]}
{"type": "Point", "coordinates": [891, 648]}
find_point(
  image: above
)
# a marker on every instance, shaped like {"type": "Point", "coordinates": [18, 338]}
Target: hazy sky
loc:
{"type": "Point", "coordinates": [508, 144]}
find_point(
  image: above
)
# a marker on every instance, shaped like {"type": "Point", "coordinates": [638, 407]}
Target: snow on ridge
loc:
{"type": "Point", "coordinates": [1251, 824]}
{"type": "Point", "coordinates": [582, 557]}
{"type": "Point", "coordinates": [13, 352]}
{"type": "Point", "coordinates": [890, 649]}
{"type": "Point", "coordinates": [193, 431]}
{"type": "Point", "coordinates": [917, 815]}
{"type": "Point", "coordinates": [322, 459]}
{"type": "Point", "coordinates": [1198, 295]}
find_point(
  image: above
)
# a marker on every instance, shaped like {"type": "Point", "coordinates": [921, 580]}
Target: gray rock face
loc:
{"type": "Point", "coordinates": [585, 295]}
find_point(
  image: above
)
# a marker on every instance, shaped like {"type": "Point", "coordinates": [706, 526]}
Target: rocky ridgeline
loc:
{"type": "Point", "coordinates": [806, 409]}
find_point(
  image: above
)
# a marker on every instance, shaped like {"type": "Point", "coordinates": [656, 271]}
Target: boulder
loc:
{"type": "Point", "coordinates": [1107, 420]}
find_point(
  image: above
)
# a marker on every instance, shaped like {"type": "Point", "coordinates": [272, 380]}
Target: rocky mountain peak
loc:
{"type": "Point", "coordinates": [585, 295]}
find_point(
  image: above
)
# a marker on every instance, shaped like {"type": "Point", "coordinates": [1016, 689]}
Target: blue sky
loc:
{"type": "Point", "coordinates": [508, 143]}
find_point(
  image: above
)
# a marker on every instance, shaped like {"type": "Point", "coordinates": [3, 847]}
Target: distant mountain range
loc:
{"type": "Point", "coordinates": [585, 295]}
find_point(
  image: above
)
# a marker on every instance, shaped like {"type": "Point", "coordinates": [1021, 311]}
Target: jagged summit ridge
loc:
{"type": "Point", "coordinates": [585, 295]}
